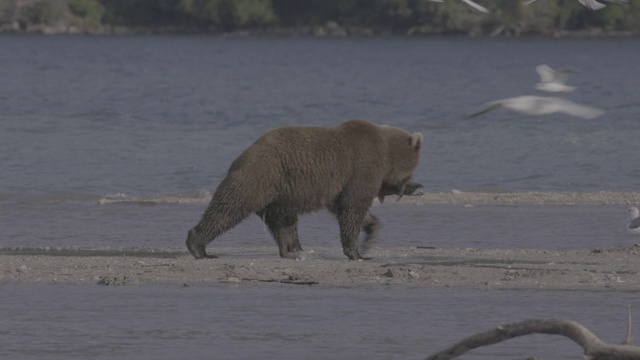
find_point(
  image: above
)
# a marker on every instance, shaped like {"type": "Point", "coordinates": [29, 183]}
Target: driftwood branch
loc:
{"type": "Point", "coordinates": [629, 337]}
{"type": "Point", "coordinates": [594, 348]}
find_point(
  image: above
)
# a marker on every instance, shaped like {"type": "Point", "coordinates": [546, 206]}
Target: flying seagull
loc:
{"type": "Point", "coordinates": [470, 3]}
{"type": "Point", "coordinates": [591, 4]}
{"type": "Point", "coordinates": [553, 80]}
{"type": "Point", "coordinates": [540, 105]}
{"type": "Point", "coordinates": [634, 220]}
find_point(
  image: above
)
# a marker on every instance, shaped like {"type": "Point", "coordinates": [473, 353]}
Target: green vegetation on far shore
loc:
{"type": "Point", "coordinates": [316, 17]}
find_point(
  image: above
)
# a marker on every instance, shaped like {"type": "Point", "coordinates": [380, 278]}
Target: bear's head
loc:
{"type": "Point", "coordinates": [403, 157]}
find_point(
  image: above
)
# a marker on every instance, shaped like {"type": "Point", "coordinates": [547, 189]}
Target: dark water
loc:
{"type": "Point", "coordinates": [109, 142]}
{"type": "Point", "coordinates": [275, 322]}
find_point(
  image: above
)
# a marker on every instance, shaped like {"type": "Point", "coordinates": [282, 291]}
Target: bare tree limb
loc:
{"type": "Point", "coordinates": [629, 337]}
{"type": "Point", "coordinates": [594, 348]}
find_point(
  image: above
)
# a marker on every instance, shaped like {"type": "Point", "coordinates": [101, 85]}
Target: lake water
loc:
{"type": "Point", "coordinates": [293, 322]}
{"type": "Point", "coordinates": [119, 142]}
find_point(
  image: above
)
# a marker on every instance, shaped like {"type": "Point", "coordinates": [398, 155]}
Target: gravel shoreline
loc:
{"type": "Point", "coordinates": [599, 269]}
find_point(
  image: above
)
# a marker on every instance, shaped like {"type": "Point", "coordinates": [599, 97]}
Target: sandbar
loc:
{"type": "Point", "coordinates": [596, 269]}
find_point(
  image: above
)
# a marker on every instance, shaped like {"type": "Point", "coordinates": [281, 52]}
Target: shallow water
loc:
{"type": "Point", "coordinates": [443, 226]}
{"type": "Point", "coordinates": [117, 142]}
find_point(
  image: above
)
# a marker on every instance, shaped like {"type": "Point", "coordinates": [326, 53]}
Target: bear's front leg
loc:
{"type": "Point", "coordinates": [350, 220]}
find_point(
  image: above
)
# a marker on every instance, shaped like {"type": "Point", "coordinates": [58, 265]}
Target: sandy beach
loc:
{"type": "Point", "coordinates": [598, 269]}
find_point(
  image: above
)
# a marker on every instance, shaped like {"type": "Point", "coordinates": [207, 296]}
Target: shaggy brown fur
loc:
{"type": "Point", "coordinates": [294, 170]}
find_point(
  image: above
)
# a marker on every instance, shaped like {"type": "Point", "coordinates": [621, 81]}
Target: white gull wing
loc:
{"type": "Point", "coordinates": [553, 80]}
{"type": "Point", "coordinates": [476, 6]}
{"type": "Point", "coordinates": [573, 109]}
{"type": "Point", "coordinates": [540, 105]}
{"type": "Point", "coordinates": [470, 3]}
{"type": "Point", "coordinates": [592, 4]}
{"type": "Point", "coordinates": [546, 73]}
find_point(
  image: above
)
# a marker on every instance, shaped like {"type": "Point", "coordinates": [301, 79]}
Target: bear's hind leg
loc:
{"type": "Point", "coordinates": [217, 219]}
{"type": "Point", "coordinates": [197, 245]}
{"type": "Point", "coordinates": [283, 225]}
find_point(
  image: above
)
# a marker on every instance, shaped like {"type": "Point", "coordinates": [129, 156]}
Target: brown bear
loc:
{"type": "Point", "coordinates": [295, 169]}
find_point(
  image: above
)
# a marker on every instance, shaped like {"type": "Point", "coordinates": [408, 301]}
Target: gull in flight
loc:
{"type": "Point", "coordinates": [553, 80]}
{"type": "Point", "coordinates": [634, 220]}
{"type": "Point", "coordinates": [541, 105]}
{"type": "Point", "coordinates": [470, 3]}
{"type": "Point", "coordinates": [476, 6]}
{"type": "Point", "coordinates": [591, 4]}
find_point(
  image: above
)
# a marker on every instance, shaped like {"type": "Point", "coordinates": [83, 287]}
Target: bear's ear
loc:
{"type": "Point", "coordinates": [416, 140]}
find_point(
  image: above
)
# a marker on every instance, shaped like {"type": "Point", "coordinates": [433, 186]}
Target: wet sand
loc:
{"type": "Point", "coordinates": [599, 269]}
{"type": "Point", "coordinates": [595, 269]}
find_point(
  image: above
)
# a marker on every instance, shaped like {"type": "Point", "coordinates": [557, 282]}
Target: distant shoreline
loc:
{"type": "Point", "coordinates": [330, 30]}
{"type": "Point", "coordinates": [316, 18]}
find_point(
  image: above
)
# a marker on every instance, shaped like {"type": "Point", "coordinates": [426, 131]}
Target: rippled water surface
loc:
{"type": "Point", "coordinates": [273, 322]}
{"type": "Point", "coordinates": [87, 117]}
{"type": "Point", "coordinates": [443, 226]}
{"type": "Point", "coordinates": [110, 142]}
